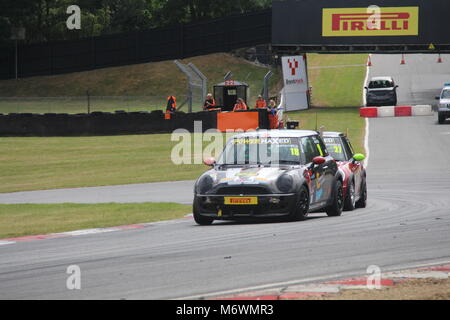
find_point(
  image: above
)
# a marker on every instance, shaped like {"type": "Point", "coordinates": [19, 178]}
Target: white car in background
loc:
{"type": "Point", "coordinates": [444, 104]}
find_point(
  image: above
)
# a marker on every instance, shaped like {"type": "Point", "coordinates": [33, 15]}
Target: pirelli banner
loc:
{"type": "Point", "coordinates": [353, 22]}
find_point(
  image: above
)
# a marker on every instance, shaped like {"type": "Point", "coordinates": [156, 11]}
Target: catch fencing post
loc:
{"type": "Point", "coordinates": [88, 102]}
{"type": "Point", "coordinates": [266, 86]}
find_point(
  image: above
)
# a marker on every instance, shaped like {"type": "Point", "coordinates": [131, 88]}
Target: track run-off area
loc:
{"type": "Point", "coordinates": [406, 223]}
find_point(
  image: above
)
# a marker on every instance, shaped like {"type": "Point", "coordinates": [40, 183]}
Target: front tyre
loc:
{"type": "Point", "coordinates": [441, 118]}
{"type": "Point", "coordinates": [362, 202]}
{"type": "Point", "coordinates": [199, 219]}
{"type": "Point", "coordinates": [350, 197]}
{"type": "Point", "coordinates": [301, 208]}
{"type": "Point", "coordinates": [335, 209]}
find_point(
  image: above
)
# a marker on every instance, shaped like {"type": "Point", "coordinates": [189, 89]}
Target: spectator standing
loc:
{"type": "Point", "coordinates": [209, 102]}
{"type": "Point", "coordinates": [240, 105]}
{"type": "Point", "coordinates": [260, 103]}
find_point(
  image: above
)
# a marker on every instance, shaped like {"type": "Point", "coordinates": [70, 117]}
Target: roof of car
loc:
{"type": "Point", "coordinates": [277, 133]}
{"type": "Point", "coordinates": [381, 79]}
{"type": "Point", "coordinates": [332, 134]}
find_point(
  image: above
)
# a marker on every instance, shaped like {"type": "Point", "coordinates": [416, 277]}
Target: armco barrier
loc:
{"type": "Point", "coordinates": [104, 123]}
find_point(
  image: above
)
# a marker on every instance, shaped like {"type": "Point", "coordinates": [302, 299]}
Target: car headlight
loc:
{"type": "Point", "coordinates": [285, 183]}
{"type": "Point", "coordinates": [205, 184]}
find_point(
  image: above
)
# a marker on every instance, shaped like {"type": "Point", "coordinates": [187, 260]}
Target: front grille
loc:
{"type": "Point", "coordinates": [242, 190]}
{"type": "Point", "coordinates": [380, 93]}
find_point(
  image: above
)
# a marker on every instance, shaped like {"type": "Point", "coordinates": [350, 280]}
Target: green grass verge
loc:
{"type": "Point", "coordinates": [337, 79]}
{"type": "Point", "coordinates": [344, 119]}
{"type": "Point", "coordinates": [36, 163]}
{"type": "Point", "coordinates": [66, 162]}
{"type": "Point", "coordinates": [62, 162]}
{"type": "Point", "coordinates": [32, 219]}
{"type": "Point", "coordinates": [141, 87]}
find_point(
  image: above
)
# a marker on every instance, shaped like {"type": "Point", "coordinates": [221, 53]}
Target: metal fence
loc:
{"type": "Point", "coordinates": [176, 42]}
{"type": "Point", "coordinates": [89, 104]}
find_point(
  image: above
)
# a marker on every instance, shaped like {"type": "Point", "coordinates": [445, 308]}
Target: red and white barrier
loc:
{"type": "Point", "coordinates": [397, 111]}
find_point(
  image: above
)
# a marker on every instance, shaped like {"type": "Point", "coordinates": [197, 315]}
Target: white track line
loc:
{"type": "Point", "coordinates": [366, 135]}
{"type": "Point", "coordinates": [365, 80]}
{"type": "Point", "coordinates": [366, 144]}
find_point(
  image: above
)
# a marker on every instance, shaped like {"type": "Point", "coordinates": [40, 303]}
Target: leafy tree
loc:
{"type": "Point", "coordinates": [45, 20]}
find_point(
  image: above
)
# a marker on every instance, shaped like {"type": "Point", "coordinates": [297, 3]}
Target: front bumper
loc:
{"type": "Point", "coordinates": [445, 112]}
{"type": "Point", "coordinates": [269, 205]}
{"type": "Point", "coordinates": [382, 102]}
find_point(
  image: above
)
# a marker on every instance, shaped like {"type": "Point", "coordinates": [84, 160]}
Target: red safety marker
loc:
{"type": "Point", "coordinates": [403, 111]}
{"type": "Point", "coordinates": [368, 112]}
{"type": "Point", "coordinates": [403, 59]}
{"type": "Point", "coordinates": [439, 59]}
{"type": "Point", "coordinates": [369, 62]}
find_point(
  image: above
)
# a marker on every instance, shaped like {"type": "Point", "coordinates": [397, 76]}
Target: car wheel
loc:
{"type": "Point", "coordinates": [441, 118]}
{"type": "Point", "coordinates": [350, 197]}
{"type": "Point", "coordinates": [362, 202]}
{"type": "Point", "coordinates": [335, 209]}
{"type": "Point", "coordinates": [199, 219]}
{"type": "Point", "coordinates": [300, 211]}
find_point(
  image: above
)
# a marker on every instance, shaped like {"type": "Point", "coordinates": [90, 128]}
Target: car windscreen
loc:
{"type": "Point", "coordinates": [335, 148]}
{"type": "Point", "coordinates": [261, 151]}
{"type": "Point", "coordinates": [379, 84]}
{"type": "Point", "coordinates": [445, 94]}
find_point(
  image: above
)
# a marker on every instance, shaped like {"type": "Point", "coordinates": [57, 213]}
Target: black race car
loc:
{"type": "Point", "coordinates": [381, 91]}
{"type": "Point", "coordinates": [279, 173]}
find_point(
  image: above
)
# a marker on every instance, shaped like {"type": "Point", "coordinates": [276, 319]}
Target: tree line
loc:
{"type": "Point", "coordinates": [45, 20]}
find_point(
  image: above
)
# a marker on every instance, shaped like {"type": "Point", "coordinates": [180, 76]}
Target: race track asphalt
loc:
{"type": "Point", "coordinates": [407, 222]}
{"type": "Point", "coordinates": [419, 80]}
{"type": "Point", "coordinates": [174, 191]}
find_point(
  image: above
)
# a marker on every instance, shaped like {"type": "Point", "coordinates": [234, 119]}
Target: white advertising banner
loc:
{"type": "Point", "coordinates": [295, 89]}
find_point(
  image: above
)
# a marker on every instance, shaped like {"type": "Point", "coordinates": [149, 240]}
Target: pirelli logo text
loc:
{"type": "Point", "coordinates": [240, 200]}
{"type": "Point", "coordinates": [355, 22]}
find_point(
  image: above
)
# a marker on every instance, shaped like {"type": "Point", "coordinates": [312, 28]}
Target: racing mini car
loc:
{"type": "Point", "coordinates": [282, 174]}
{"type": "Point", "coordinates": [444, 104]}
{"type": "Point", "coordinates": [351, 169]}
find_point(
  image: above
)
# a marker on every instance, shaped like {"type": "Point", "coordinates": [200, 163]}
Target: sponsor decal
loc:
{"type": "Point", "coordinates": [359, 22]}
{"type": "Point", "coordinates": [293, 65]}
{"type": "Point", "coordinates": [240, 200]}
{"type": "Point", "coordinates": [295, 81]}
{"type": "Point", "coordinates": [262, 140]}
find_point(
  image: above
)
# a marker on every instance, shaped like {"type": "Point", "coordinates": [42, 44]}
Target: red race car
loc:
{"type": "Point", "coordinates": [350, 167]}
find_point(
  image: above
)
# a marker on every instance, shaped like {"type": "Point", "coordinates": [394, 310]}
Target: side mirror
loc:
{"type": "Point", "coordinates": [210, 162]}
{"type": "Point", "coordinates": [358, 157]}
{"type": "Point", "coordinates": [437, 98]}
{"type": "Point", "coordinates": [366, 88]}
{"type": "Point", "coordinates": [319, 160]}
{"type": "Point", "coordinates": [396, 87]}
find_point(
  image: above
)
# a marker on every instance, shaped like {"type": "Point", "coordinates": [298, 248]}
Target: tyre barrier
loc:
{"type": "Point", "coordinates": [105, 123]}
{"type": "Point", "coordinates": [397, 111]}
